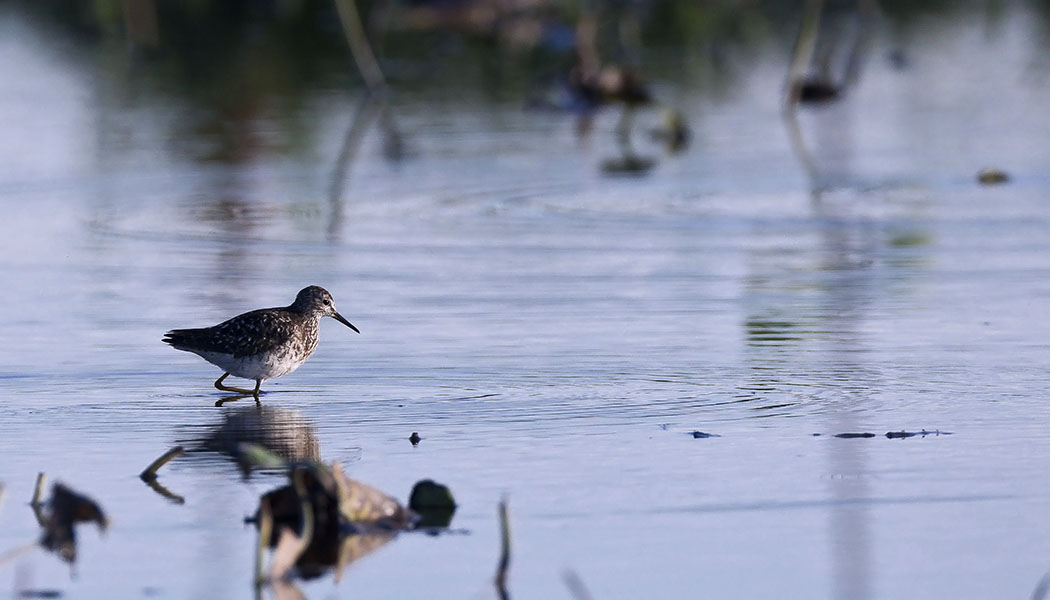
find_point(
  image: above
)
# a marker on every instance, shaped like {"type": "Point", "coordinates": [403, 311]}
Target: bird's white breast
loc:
{"type": "Point", "coordinates": [260, 366]}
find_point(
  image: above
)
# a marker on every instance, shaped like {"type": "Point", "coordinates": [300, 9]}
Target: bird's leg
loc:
{"type": "Point", "coordinates": [226, 388]}
{"type": "Point", "coordinates": [258, 383]}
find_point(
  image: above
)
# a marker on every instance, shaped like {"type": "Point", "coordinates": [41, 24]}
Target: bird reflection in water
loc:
{"type": "Point", "coordinates": [321, 519]}
{"type": "Point", "coordinates": [286, 433]}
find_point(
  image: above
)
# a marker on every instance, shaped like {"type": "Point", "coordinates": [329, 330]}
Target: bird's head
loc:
{"type": "Point", "coordinates": [316, 300]}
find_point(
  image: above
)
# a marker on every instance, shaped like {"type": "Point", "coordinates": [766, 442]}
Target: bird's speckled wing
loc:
{"type": "Point", "coordinates": [249, 334]}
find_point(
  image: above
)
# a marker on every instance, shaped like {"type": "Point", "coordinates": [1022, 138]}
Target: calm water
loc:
{"type": "Point", "coordinates": [553, 334]}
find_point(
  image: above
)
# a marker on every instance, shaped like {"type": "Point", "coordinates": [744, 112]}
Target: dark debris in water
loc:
{"type": "Point", "coordinates": [628, 165]}
{"type": "Point", "coordinates": [697, 435]}
{"type": "Point", "coordinates": [434, 504]}
{"type": "Point", "coordinates": [62, 511]}
{"type": "Point", "coordinates": [149, 475]}
{"type": "Point", "coordinates": [907, 434]}
{"type": "Point", "coordinates": [414, 438]}
{"type": "Point", "coordinates": [890, 434]}
{"type": "Point", "coordinates": [43, 593]}
{"type": "Point", "coordinates": [992, 176]}
{"type": "Point", "coordinates": [323, 519]}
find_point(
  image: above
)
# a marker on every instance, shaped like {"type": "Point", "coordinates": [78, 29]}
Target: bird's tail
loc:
{"type": "Point", "coordinates": [180, 339]}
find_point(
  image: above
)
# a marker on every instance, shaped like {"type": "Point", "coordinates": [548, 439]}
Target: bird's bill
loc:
{"type": "Point", "coordinates": [339, 317]}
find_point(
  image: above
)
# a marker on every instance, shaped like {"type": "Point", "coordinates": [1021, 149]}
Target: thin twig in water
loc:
{"type": "Point", "coordinates": [265, 530]}
{"type": "Point", "coordinates": [359, 46]}
{"type": "Point", "coordinates": [803, 53]}
{"type": "Point", "coordinates": [504, 557]}
{"type": "Point", "coordinates": [38, 491]}
{"type": "Point", "coordinates": [38, 499]}
{"type": "Point", "coordinates": [151, 471]}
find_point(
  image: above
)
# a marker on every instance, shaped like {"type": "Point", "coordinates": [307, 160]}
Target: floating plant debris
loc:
{"type": "Point", "coordinates": [992, 176]}
{"type": "Point", "coordinates": [890, 434]}
{"type": "Point", "coordinates": [628, 164]}
{"type": "Point", "coordinates": [60, 513]}
{"type": "Point", "coordinates": [322, 518]}
{"type": "Point", "coordinates": [150, 473]}
{"type": "Point", "coordinates": [907, 434]}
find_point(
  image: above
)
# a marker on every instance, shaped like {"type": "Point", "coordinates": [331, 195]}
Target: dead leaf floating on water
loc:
{"type": "Point", "coordinates": [324, 519]}
{"type": "Point", "coordinates": [65, 509]}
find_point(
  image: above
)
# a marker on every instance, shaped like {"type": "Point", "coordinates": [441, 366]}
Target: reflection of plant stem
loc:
{"type": "Point", "coordinates": [364, 116]}
{"type": "Point", "coordinates": [798, 145]}
{"type": "Point", "coordinates": [623, 129]}
{"type": "Point", "coordinates": [163, 491]}
{"type": "Point", "coordinates": [504, 558]}
{"type": "Point", "coordinates": [15, 552]}
{"type": "Point", "coordinates": [868, 11]}
{"type": "Point", "coordinates": [575, 584]}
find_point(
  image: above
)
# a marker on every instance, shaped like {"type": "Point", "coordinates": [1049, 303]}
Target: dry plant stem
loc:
{"type": "Point", "coordinates": [265, 531]}
{"type": "Point", "coordinates": [586, 48]}
{"type": "Point", "coordinates": [804, 47]}
{"type": "Point", "coordinates": [306, 511]}
{"type": "Point", "coordinates": [38, 491]}
{"type": "Point", "coordinates": [37, 502]}
{"type": "Point", "coordinates": [151, 471]}
{"type": "Point", "coordinates": [359, 47]}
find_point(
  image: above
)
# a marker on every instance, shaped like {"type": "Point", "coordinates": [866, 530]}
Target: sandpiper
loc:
{"type": "Point", "coordinates": [261, 344]}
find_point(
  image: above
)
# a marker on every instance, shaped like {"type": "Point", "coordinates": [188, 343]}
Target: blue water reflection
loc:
{"type": "Point", "coordinates": [553, 334]}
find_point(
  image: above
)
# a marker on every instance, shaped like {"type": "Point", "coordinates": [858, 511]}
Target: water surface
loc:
{"type": "Point", "coordinates": [554, 334]}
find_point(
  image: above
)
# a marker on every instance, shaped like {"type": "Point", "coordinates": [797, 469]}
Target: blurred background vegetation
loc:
{"type": "Point", "coordinates": [285, 44]}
